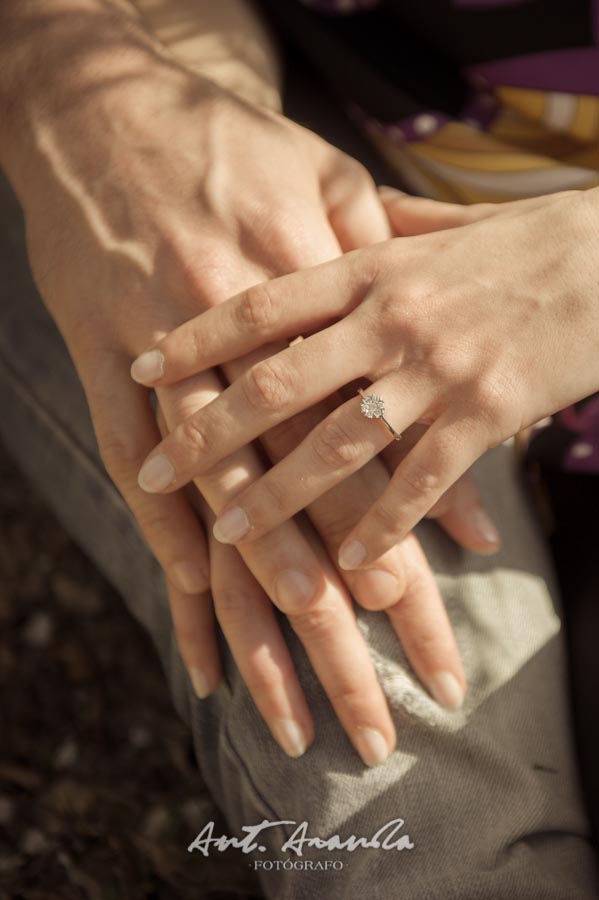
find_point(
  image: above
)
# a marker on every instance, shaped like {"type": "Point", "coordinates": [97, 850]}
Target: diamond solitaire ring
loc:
{"type": "Point", "coordinates": [373, 407]}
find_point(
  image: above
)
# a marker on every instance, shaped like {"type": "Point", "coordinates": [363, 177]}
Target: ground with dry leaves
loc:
{"type": "Point", "coordinates": [99, 794]}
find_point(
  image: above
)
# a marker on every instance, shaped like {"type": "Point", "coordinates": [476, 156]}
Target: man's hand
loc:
{"type": "Point", "coordinates": [150, 194]}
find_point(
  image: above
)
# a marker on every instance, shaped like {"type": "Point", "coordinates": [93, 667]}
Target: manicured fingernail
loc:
{"type": "Point", "coordinates": [446, 690]}
{"type": "Point", "coordinates": [377, 587]}
{"type": "Point", "coordinates": [199, 683]}
{"type": "Point", "coordinates": [231, 526]}
{"type": "Point", "coordinates": [156, 474]}
{"type": "Point", "coordinates": [190, 577]}
{"type": "Point", "coordinates": [351, 555]}
{"type": "Point", "coordinates": [372, 746]}
{"type": "Point", "coordinates": [480, 521]}
{"type": "Point", "coordinates": [290, 736]}
{"type": "Point", "coordinates": [148, 367]}
{"type": "Point", "coordinates": [293, 589]}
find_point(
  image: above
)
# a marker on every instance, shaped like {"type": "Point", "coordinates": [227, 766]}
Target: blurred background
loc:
{"type": "Point", "coordinates": [99, 793]}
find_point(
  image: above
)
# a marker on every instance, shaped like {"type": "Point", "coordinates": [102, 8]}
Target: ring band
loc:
{"type": "Point", "coordinates": [373, 407]}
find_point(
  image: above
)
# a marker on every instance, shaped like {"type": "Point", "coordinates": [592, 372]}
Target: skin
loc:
{"type": "Point", "coordinates": [152, 231]}
{"type": "Point", "coordinates": [477, 332]}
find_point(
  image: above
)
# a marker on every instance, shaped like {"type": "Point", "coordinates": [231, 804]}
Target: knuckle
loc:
{"type": "Point", "coordinates": [193, 434]}
{"type": "Point", "coordinates": [494, 409]}
{"type": "Point", "coordinates": [418, 481]}
{"type": "Point", "coordinates": [267, 386]}
{"type": "Point", "coordinates": [335, 446]}
{"type": "Point", "coordinates": [346, 692]}
{"type": "Point", "coordinates": [256, 307]}
{"type": "Point", "coordinates": [315, 623]}
{"type": "Point", "coordinates": [484, 397]}
{"type": "Point", "coordinates": [444, 367]}
{"type": "Point", "coordinates": [386, 522]}
{"type": "Point", "coordinates": [195, 338]}
{"type": "Point", "coordinates": [426, 643]}
{"type": "Point", "coordinates": [201, 273]}
{"type": "Point", "coordinates": [337, 514]}
{"type": "Point", "coordinates": [491, 403]}
{"type": "Point", "coordinates": [388, 310]}
{"type": "Point", "coordinates": [398, 317]}
{"type": "Point", "coordinates": [356, 171]}
{"type": "Point", "coordinates": [230, 603]}
{"type": "Point", "coordinates": [281, 225]}
{"type": "Point", "coordinates": [121, 454]}
{"type": "Point", "coordinates": [265, 682]}
{"type": "Point", "coordinates": [287, 232]}
{"type": "Point", "coordinates": [154, 521]}
{"type": "Point", "coordinates": [273, 501]}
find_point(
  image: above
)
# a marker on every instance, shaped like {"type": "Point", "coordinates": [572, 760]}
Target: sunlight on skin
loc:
{"type": "Point", "coordinates": [131, 249]}
{"type": "Point", "coordinates": [231, 50]}
{"type": "Point", "coordinates": [150, 232]}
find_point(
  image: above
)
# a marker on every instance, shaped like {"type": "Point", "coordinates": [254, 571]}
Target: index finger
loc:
{"type": "Point", "coordinates": [278, 309]}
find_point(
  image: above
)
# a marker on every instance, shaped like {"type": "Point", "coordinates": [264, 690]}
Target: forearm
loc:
{"type": "Point", "coordinates": [55, 56]}
{"type": "Point", "coordinates": [227, 42]}
{"type": "Point", "coordinates": [68, 64]}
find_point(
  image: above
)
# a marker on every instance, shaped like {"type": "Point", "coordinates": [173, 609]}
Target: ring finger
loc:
{"type": "Point", "coordinates": [339, 446]}
{"type": "Point", "coordinates": [271, 391]}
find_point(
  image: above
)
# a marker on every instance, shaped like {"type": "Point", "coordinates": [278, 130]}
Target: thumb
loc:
{"type": "Point", "coordinates": [410, 215]}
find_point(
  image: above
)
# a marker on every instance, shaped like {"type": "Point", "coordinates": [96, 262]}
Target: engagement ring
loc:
{"type": "Point", "coordinates": [373, 407]}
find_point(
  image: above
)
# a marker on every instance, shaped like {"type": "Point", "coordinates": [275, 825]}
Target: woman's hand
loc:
{"type": "Point", "coordinates": [475, 332]}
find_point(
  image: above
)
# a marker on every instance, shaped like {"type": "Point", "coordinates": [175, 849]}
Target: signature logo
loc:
{"type": "Point", "coordinates": [387, 837]}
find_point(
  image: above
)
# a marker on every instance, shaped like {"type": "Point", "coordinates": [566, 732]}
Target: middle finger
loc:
{"type": "Point", "coordinates": [272, 390]}
{"type": "Point", "coordinates": [336, 448]}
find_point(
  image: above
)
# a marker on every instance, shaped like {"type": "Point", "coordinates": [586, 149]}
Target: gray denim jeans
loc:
{"type": "Point", "coordinates": [489, 796]}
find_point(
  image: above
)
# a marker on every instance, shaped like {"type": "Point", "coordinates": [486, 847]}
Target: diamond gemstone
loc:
{"type": "Point", "coordinates": [372, 406]}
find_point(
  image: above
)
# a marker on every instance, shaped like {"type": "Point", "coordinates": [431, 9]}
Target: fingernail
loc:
{"type": "Point", "coordinates": [290, 736]}
{"type": "Point", "coordinates": [480, 521]}
{"type": "Point", "coordinates": [372, 746]}
{"type": "Point", "coordinates": [351, 555]}
{"type": "Point", "coordinates": [190, 578]}
{"type": "Point", "coordinates": [199, 683]}
{"type": "Point", "coordinates": [293, 589]}
{"type": "Point", "coordinates": [156, 474]}
{"type": "Point", "coordinates": [231, 526]}
{"type": "Point", "coordinates": [148, 367]}
{"type": "Point", "coordinates": [446, 690]}
{"type": "Point", "coordinates": [377, 587]}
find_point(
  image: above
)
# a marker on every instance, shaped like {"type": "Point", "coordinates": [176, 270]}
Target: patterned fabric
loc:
{"type": "Point", "coordinates": [527, 121]}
